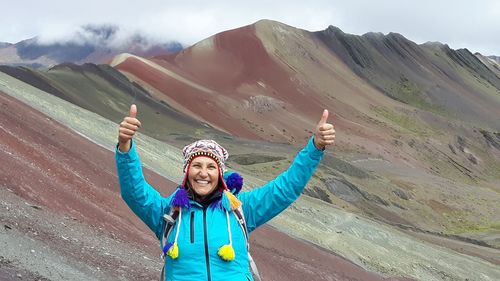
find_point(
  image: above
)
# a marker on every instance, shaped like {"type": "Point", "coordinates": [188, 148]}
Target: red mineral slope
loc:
{"type": "Point", "coordinates": [263, 81]}
{"type": "Point", "coordinates": [57, 170]}
{"type": "Point", "coordinates": [230, 80]}
{"type": "Point", "coordinates": [51, 165]}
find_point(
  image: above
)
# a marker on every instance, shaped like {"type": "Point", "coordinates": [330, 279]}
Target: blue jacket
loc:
{"type": "Point", "coordinates": [204, 230]}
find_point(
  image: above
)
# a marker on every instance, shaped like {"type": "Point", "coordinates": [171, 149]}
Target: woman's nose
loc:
{"type": "Point", "coordinates": [204, 172]}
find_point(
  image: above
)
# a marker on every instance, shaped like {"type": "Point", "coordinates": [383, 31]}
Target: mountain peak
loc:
{"type": "Point", "coordinates": [268, 21]}
{"type": "Point", "coordinates": [397, 36]}
{"type": "Point", "coordinates": [333, 29]}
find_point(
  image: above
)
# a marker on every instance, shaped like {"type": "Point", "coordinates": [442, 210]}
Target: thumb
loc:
{"type": "Point", "coordinates": [133, 111]}
{"type": "Point", "coordinates": [324, 117]}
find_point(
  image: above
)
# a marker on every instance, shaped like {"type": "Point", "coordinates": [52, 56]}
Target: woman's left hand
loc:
{"type": "Point", "coordinates": [325, 132]}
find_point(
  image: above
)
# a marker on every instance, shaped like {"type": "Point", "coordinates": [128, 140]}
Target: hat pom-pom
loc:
{"type": "Point", "coordinates": [234, 182]}
{"type": "Point", "coordinates": [173, 252]}
{"type": "Point", "coordinates": [226, 252]}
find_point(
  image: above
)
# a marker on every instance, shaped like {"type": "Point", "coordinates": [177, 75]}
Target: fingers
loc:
{"type": "Point", "coordinates": [129, 125]}
{"type": "Point", "coordinates": [126, 131]}
{"type": "Point", "coordinates": [326, 135]}
{"type": "Point", "coordinates": [132, 121]}
{"type": "Point", "coordinates": [322, 141]}
{"type": "Point", "coordinates": [326, 127]}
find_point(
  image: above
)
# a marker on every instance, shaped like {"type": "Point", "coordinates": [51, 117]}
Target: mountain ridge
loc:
{"type": "Point", "coordinates": [89, 44]}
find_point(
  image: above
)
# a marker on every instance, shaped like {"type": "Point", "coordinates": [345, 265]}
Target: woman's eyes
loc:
{"type": "Point", "coordinates": [210, 167]}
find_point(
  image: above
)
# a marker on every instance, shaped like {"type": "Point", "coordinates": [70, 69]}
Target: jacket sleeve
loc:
{"type": "Point", "coordinates": [145, 201]}
{"type": "Point", "coordinates": [263, 203]}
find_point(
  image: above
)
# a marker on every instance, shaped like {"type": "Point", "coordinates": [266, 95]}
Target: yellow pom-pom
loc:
{"type": "Point", "coordinates": [173, 252]}
{"type": "Point", "coordinates": [235, 203]}
{"type": "Point", "coordinates": [226, 252]}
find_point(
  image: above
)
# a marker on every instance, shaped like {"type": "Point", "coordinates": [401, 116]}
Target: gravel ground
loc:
{"type": "Point", "coordinates": [38, 244]}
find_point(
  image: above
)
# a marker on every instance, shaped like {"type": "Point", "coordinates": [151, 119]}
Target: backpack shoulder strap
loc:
{"type": "Point", "coordinates": [241, 221]}
{"type": "Point", "coordinates": [170, 220]}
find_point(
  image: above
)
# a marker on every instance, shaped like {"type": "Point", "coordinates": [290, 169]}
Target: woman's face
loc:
{"type": "Point", "coordinates": [203, 175]}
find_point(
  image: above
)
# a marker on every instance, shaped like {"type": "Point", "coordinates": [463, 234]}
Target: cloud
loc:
{"type": "Point", "coordinates": [474, 25]}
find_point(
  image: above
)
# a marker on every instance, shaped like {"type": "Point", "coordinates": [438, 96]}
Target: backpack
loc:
{"type": "Point", "coordinates": [170, 220]}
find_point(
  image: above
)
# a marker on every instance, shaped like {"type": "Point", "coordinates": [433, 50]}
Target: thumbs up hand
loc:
{"type": "Point", "coordinates": [128, 127]}
{"type": "Point", "coordinates": [325, 132]}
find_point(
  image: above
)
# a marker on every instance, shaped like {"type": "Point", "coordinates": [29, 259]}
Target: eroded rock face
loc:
{"type": "Point", "coordinates": [262, 103]}
{"type": "Point", "coordinates": [492, 139]}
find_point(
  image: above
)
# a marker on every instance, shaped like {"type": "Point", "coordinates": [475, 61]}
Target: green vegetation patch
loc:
{"type": "Point", "coordinates": [253, 158]}
{"type": "Point", "coordinates": [408, 92]}
{"type": "Point", "coordinates": [460, 223]}
{"type": "Point", "coordinates": [408, 122]}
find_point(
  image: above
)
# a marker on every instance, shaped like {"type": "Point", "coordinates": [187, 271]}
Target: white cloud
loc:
{"type": "Point", "coordinates": [474, 25]}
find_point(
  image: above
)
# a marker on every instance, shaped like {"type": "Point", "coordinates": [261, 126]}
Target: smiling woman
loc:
{"type": "Point", "coordinates": [203, 176]}
{"type": "Point", "coordinates": [208, 217]}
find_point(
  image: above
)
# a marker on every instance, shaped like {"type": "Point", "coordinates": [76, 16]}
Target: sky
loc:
{"type": "Point", "coordinates": [474, 25]}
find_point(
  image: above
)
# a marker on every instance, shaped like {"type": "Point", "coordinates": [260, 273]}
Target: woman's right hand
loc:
{"type": "Point", "coordinates": [128, 127]}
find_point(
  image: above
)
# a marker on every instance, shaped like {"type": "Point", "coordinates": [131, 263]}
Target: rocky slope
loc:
{"type": "Point", "coordinates": [63, 218]}
{"type": "Point", "coordinates": [367, 243]}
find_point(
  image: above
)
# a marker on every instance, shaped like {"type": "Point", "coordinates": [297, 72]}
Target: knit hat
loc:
{"type": "Point", "coordinates": [215, 151]}
{"type": "Point", "coordinates": [231, 184]}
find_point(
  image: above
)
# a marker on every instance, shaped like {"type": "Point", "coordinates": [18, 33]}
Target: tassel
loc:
{"type": "Point", "coordinates": [167, 247]}
{"type": "Point", "coordinates": [173, 252]}
{"type": "Point", "coordinates": [181, 199]}
{"type": "Point", "coordinates": [226, 252]}
{"type": "Point", "coordinates": [234, 202]}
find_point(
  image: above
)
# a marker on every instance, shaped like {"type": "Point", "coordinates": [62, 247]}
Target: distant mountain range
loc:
{"type": "Point", "coordinates": [495, 58]}
{"type": "Point", "coordinates": [91, 44]}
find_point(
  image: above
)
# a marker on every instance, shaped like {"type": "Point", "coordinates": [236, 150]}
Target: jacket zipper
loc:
{"type": "Point", "coordinates": [192, 227]}
{"type": "Point", "coordinates": [207, 259]}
